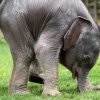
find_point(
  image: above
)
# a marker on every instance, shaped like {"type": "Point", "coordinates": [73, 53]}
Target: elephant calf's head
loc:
{"type": "Point", "coordinates": [81, 50]}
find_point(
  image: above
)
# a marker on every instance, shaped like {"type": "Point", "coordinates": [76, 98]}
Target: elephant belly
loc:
{"type": "Point", "coordinates": [39, 13]}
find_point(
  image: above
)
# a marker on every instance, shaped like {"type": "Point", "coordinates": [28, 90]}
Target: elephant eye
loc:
{"type": "Point", "coordinates": [86, 58]}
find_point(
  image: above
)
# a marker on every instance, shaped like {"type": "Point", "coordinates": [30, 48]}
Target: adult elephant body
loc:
{"type": "Point", "coordinates": [35, 29]}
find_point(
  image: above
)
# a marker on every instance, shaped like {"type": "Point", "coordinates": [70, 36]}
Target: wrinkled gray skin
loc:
{"type": "Point", "coordinates": [80, 68]}
{"type": "Point", "coordinates": [68, 59]}
{"type": "Point", "coordinates": [38, 29]}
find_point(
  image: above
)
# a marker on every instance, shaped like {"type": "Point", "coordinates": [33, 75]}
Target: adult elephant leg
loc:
{"type": "Point", "coordinates": [21, 44]}
{"type": "Point", "coordinates": [20, 73]}
{"type": "Point", "coordinates": [47, 52]}
{"type": "Point", "coordinates": [34, 72]}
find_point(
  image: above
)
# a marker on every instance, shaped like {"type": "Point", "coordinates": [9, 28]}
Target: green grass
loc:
{"type": "Point", "coordinates": [66, 85]}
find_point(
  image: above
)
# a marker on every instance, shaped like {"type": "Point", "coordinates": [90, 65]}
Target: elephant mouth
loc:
{"type": "Point", "coordinates": [75, 71]}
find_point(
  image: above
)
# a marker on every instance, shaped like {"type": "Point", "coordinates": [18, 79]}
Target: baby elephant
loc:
{"type": "Point", "coordinates": [79, 67]}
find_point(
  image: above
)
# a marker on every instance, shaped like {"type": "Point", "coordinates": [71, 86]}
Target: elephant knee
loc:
{"type": "Point", "coordinates": [41, 48]}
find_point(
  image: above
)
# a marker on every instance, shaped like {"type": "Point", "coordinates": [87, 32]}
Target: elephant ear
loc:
{"type": "Point", "coordinates": [74, 32]}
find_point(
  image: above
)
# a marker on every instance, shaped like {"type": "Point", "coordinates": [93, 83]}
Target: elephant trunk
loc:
{"type": "Point", "coordinates": [83, 83]}
{"type": "Point", "coordinates": [81, 73]}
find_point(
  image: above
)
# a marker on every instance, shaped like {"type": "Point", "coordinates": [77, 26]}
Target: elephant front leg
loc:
{"type": "Point", "coordinates": [19, 78]}
{"type": "Point", "coordinates": [47, 55]}
{"type": "Point", "coordinates": [50, 76]}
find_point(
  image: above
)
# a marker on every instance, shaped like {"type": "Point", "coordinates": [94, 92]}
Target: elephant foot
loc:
{"type": "Point", "coordinates": [50, 91]}
{"type": "Point", "coordinates": [23, 91]}
{"type": "Point", "coordinates": [19, 92]}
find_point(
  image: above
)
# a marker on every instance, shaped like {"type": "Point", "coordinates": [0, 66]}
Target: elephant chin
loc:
{"type": "Point", "coordinates": [75, 71]}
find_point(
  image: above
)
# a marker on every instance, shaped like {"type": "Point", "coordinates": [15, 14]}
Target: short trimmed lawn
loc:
{"type": "Point", "coordinates": [66, 85]}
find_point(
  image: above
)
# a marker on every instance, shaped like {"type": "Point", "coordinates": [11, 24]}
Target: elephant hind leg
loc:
{"type": "Point", "coordinates": [20, 73]}
{"type": "Point", "coordinates": [21, 44]}
{"type": "Point", "coordinates": [34, 72]}
{"type": "Point", "coordinates": [47, 53]}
